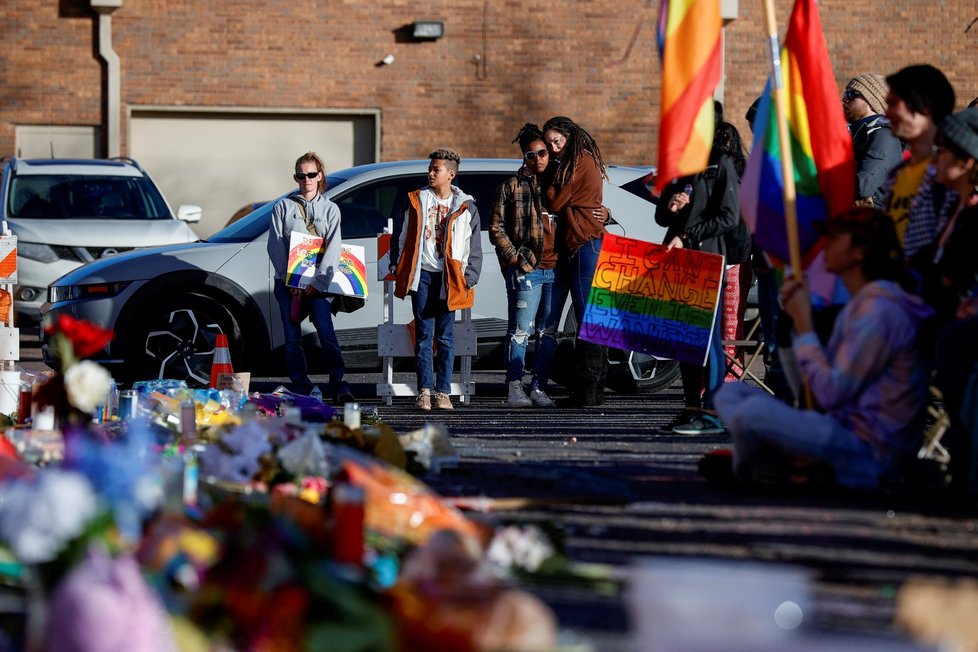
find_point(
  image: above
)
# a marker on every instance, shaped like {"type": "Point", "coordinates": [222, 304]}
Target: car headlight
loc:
{"type": "Point", "coordinates": [34, 251]}
{"type": "Point", "coordinates": [59, 293]}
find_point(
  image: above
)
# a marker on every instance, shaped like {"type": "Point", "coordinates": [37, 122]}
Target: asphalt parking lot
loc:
{"type": "Point", "coordinates": [619, 491]}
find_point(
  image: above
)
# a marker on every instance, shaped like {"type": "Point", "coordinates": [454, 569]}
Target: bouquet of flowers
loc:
{"type": "Point", "coordinates": [78, 386]}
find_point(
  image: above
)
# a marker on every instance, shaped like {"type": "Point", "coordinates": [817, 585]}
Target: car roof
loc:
{"type": "Point", "coordinates": [618, 175]}
{"type": "Point", "coordinates": [81, 167]}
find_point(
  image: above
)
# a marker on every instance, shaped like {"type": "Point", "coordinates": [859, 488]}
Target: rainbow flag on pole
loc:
{"type": "Point", "coordinates": [821, 146]}
{"type": "Point", "coordinates": [692, 55]}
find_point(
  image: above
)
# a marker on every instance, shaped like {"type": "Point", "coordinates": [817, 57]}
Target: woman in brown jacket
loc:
{"type": "Point", "coordinates": [575, 198]}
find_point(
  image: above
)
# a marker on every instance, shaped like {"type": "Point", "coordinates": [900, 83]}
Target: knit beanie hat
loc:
{"type": "Point", "coordinates": [961, 130]}
{"type": "Point", "coordinates": [873, 89]}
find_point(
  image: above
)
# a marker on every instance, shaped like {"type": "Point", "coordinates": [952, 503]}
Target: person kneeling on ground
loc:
{"type": "Point", "coordinates": [870, 384]}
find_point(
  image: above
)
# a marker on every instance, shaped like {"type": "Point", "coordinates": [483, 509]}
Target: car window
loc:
{"type": "Point", "coordinates": [365, 210]}
{"type": "Point", "coordinates": [59, 196]}
{"type": "Point", "coordinates": [482, 186]}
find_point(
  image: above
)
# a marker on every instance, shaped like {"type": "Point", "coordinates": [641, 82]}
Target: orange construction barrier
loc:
{"type": "Point", "coordinates": [221, 368]}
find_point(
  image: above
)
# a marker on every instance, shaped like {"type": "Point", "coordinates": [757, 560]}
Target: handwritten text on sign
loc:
{"type": "Point", "coordinates": [648, 300]}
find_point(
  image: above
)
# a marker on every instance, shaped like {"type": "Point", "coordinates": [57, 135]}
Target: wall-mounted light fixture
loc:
{"type": "Point", "coordinates": [428, 30]}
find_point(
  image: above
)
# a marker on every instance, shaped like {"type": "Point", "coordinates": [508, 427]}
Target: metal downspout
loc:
{"type": "Point", "coordinates": [113, 74]}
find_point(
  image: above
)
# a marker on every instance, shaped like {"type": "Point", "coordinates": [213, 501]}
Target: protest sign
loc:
{"type": "Point", "coordinates": [646, 299]}
{"type": "Point", "coordinates": [305, 253]}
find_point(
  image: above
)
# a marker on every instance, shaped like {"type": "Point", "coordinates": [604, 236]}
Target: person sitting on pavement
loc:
{"type": "Point", "coordinates": [870, 383]}
{"type": "Point", "coordinates": [948, 273]}
{"type": "Point", "coordinates": [523, 232]}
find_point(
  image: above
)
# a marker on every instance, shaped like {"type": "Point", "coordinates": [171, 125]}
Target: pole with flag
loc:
{"type": "Point", "coordinates": [691, 48]}
{"type": "Point", "coordinates": [801, 167]}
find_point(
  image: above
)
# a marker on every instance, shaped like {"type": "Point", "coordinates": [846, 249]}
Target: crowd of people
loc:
{"type": "Point", "coordinates": [856, 376]}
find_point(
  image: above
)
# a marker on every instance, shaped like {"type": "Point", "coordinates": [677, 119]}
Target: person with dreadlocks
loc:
{"type": "Point", "coordinates": [522, 230]}
{"type": "Point", "coordinates": [574, 198]}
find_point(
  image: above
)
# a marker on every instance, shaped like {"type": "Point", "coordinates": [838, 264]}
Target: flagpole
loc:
{"type": "Point", "coordinates": [787, 165]}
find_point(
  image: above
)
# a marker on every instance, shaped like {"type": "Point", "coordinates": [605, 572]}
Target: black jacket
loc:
{"type": "Point", "coordinates": [877, 152]}
{"type": "Point", "coordinates": [713, 210]}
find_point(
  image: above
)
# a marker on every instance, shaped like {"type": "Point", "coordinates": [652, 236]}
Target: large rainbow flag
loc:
{"type": "Point", "coordinates": [692, 55]}
{"type": "Point", "coordinates": [646, 299]}
{"type": "Point", "coordinates": [821, 147]}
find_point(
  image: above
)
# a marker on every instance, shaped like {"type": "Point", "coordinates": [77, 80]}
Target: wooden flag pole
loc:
{"type": "Point", "coordinates": [787, 165]}
{"type": "Point", "coordinates": [784, 140]}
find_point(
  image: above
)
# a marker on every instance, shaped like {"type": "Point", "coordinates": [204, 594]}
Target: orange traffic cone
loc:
{"type": "Point", "coordinates": [221, 366]}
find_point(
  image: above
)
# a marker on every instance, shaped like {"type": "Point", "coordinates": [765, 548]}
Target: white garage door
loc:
{"type": "Point", "coordinates": [223, 160]}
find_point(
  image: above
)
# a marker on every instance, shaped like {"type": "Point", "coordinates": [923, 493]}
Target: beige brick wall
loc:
{"type": "Point", "coordinates": [594, 61]}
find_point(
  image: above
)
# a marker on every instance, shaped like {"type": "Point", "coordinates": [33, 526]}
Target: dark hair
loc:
{"type": "Point", "coordinates": [579, 141]}
{"type": "Point", "coordinates": [973, 103]}
{"type": "Point", "coordinates": [528, 133]}
{"type": "Point", "coordinates": [875, 231]}
{"type": "Point", "coordinates": [448, 155]}
{"type": "Point", "coordinates": [313, 157]}
{"type": "Point", "coordinates": [923, 88]}
{"type": "Point", "coordinates": [727, 142]}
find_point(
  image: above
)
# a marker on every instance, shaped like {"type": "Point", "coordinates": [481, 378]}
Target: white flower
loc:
{"type": "Point", "coordinates": [516, 547]}
{"type": "Point", "coordinates": [87, 385]}
{"type": "Point", "coordinates": [39, 516]}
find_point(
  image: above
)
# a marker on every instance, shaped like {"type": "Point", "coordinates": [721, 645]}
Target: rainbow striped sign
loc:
{"type": "Point", "coordinates": [305, 251]}
{"type": "Point", "coordinates": [652, 301]}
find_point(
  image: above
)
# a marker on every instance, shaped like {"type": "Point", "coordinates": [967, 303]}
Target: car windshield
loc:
{"type": "Point", "coordinates": [256, 223]}
{"type": "Point", "coordinates": [72, 197]}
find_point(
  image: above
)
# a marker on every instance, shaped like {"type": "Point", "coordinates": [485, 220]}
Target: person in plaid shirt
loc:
{"type": "Point", "coordinates": [522, 231]}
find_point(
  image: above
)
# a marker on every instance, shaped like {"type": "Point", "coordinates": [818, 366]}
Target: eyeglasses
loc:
{"type": "Point", "coordinates": [849, 95]}
{"type": "Point", "coordinates": [532, 156]}
{"type": "Point", "coordinates": [299, 176]}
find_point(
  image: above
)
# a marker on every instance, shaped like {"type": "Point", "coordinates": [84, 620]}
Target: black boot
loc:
{"type": "Point", "coordinates": [588, 390]}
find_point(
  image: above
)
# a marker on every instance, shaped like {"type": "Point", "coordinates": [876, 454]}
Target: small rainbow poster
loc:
{"type": "Point", "coordinates": [656, 302]}
{"type": "Point", "coordinates": [305, 251]}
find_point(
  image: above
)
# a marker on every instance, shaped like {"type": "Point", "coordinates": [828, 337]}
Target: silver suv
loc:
{"type": "Point", "coordinates": [69, 212]}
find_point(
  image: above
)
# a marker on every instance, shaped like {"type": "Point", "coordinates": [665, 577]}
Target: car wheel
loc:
{"type": "Point", "coordinates": [177, 339]}
{"type": "Point", "coordinates": [629, 372]}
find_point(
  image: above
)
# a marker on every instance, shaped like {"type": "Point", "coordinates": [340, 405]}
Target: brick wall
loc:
{"type": "Point", "coordinates": [592, 60]}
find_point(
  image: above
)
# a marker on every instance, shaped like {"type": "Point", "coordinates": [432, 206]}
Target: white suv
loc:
{"type": "Point", "coordinates": [69, 212]}
{"type": "Point", "coordinates": [168, 304]}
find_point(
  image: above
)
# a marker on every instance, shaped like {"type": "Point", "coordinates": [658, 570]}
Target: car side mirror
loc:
{"type": "Point", "coordinates": [190, 214]}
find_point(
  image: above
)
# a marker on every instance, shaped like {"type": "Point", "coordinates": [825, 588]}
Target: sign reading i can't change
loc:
{"type": "Point", "coordinates": [646, 299]}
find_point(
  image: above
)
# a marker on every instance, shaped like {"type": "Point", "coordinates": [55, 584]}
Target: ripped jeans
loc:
{"type": "Point", "coordinates": [528, 298]}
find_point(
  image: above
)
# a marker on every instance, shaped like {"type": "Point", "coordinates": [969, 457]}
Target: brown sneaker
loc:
{"type": "Point", "coordinates": [443, 402]}
{"type": "Point", "coordinates": [423, 402]}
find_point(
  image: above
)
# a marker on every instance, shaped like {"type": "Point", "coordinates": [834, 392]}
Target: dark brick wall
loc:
{"type": "Point", "coordinates": [594, 61]}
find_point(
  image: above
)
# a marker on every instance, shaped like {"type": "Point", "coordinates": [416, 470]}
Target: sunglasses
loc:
{"type": "Point", "coordinates": [849, 95]}
{"type": "Point", "coordinates": [299, 176]}
{"type": "Point", "coordinates": [532, 156]}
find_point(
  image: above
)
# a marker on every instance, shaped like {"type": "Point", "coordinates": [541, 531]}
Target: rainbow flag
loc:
{"type": "Point", "coordinates": [691, 51]}
{"type": "Point", "coordinates": [821, 147]}
{"type": "Point", "coordinates": [646, 299]}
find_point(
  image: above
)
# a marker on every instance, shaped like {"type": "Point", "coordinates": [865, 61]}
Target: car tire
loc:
{"type": "Point", "coordinates": [629, 372]}
{"type": "Point", "coordinates": [176, 339]}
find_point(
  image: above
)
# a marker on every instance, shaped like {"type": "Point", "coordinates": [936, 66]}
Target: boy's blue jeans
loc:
{"type": "Point", "coordinates": [433, 322]}
{"type": "Point", "coordinates": [528, 298]}
{"type": "Point", "coordinates": [319, 312]}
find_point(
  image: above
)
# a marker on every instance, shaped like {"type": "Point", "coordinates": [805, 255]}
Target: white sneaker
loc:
{"type": "Point", "coordinates": [517, 397]}
{"type": "Point", "coordinates": [540, 399]}
{"type": "Point", "coordinates": [423, 401]}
